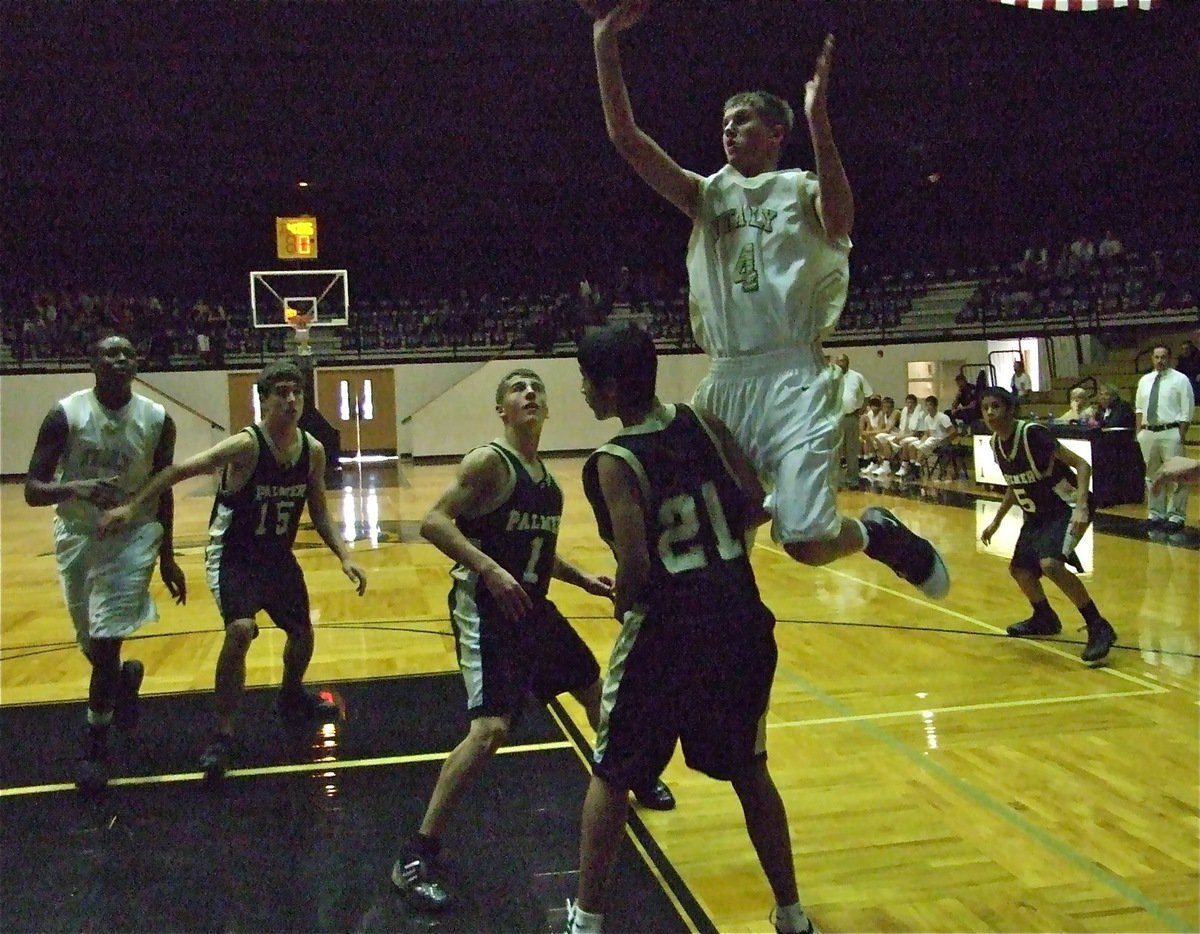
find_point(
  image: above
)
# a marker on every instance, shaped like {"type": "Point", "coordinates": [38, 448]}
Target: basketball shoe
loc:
{"type": "Point", "coordinates": [415, 876]}
{"type": "Point", "coordinates": [912, 557]}
{"type": "Point", "coordinates": [1101, 638]}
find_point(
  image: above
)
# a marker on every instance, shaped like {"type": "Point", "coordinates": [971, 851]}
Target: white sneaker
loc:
{"type": "Point", "coordinates": [903, 471]}
{"type": "Point", "coordinates": [884, 469]}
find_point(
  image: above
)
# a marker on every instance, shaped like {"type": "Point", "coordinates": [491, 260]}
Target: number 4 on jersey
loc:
{"type": "Point", "coordinates": [745, 269]}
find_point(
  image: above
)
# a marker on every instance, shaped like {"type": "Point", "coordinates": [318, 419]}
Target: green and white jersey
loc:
{"type": "Point", "coordinates": [105, 443]}
{"type": "Point", "coordinates": [762, 274]}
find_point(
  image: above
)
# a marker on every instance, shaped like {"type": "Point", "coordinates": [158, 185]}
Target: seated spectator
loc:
{"type": "Point", "coordinates": [909, 422]}
{"type": "Point", "coordinates": [1079, 412]}
{"type": "Point", "coordinates": [1110, 250]}
{"type": "Point", "coordinates": [891, 418]}
{"type": "Point", "coordinates": [965, 408]}
{"type": "Point", "coordinates": [937, 429]}
{"type": "Point", "coordinates": [871, 423]}
{"type": "Point", "coordinates": [1187, 362]}
{"type": "Point", "coordinates": [1112, 411]}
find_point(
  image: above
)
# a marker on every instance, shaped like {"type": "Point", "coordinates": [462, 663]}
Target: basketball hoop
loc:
{"type": "Point", "coordinates": [300, 324]}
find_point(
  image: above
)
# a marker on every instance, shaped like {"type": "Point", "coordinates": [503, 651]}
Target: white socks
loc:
{"type": "Point", "coordinates": [791, 919]}
{"type": "Point", "coordinates": [584, 922]}
{"type": "Point", "coordinates": [95, 718]}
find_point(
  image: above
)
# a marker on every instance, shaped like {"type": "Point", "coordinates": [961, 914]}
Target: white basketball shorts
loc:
{"type": "Point", "coordinates": [106, 583]}
{"type": "Point", "coordinates": [784, 409]}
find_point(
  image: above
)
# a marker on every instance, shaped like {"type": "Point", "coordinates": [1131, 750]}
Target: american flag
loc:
{"type": "Point", "coordinates": [1082, 6]}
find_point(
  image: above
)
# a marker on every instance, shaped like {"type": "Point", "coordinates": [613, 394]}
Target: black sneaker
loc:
{"type": "Point", "coordinates": [126, 713]}
{"type": "Point", "coordinates": [1101, 638]}
{"type": "Point", "coordinates": [91, 771]}
{"type": "Point", "coordinates": [414, 876]}
{"type": "Point", "coordinates": [657, 797]}
{"type": "Point", "coordinates": [217, 757]}
{"type": "Point", "coordinates": [1045, 624]}
{"type": "Point", "coordinates": [304, 705]}
{"type": "Point", "coordinates": [912, 557]}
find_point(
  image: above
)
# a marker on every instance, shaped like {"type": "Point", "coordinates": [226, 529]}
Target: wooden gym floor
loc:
{"type": "Point", "coordinates": [938, 775]}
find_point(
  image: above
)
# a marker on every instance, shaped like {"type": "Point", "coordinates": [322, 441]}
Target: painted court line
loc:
{"type": "Point", "coordinates": [962, 708]}
{"type": "Point", "coordinates": [332, 765]}
{"type": "Point", "coordinates": [1111, 881]}
{"type": "Point", "coordinates": [930, 605]}
{"type": "Point", "coordinates": [647, 860]}
{"type": "Point", "coordinates": [1063, 850]}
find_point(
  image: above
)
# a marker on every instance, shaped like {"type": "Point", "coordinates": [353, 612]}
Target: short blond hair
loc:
{"type": "Point", "coordinates": [773, 110]}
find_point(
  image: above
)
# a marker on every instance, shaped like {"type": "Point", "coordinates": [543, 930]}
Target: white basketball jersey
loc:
{"type": "Point", "coordinates": [912, 421]}
{"type": "Point", "coordinates": [763, 275]}
{"type": "Point", "coordinates": [104, 443]}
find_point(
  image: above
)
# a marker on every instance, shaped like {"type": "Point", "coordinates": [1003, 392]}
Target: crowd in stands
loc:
{"type": "Point", "coordinates": [58, 324]}
{"type": "Point", "coordinates": [1084, 284]}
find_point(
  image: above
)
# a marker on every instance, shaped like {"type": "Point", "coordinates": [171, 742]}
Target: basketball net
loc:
{"type": "Point", "coordinates": [299, 323]}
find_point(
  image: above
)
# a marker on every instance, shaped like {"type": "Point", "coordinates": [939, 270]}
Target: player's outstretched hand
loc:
{"type": "Point", "coordinates": [172, 575]}
{"type": "Point", "coordinates": [113, 521]}
{"type": "Point", "coordinates": [815, 91]}
{"type": "Point", "coordinates": [1176, 470]}
{"type": "Point", "coordinates": [618, 16]}
{"type": "Point", "coordinates": [103, 492]}
{"type": "Point", "coordinates": [356, 574]}
{"type": "Point", "coordinates": [601, 585]}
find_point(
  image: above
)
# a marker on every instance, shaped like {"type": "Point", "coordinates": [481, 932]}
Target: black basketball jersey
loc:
{"type": "Point", "coordinates": [1042, 484]}
{"type": "Point", "coordinates": [265, 512]}
{"type": "Point", "coordinates": [521, 534]}
{"type": "Point", "coordinates": [695, 516]}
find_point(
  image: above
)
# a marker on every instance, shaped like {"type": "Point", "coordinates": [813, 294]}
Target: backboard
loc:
{"type": "Point", "coordinates": [321, 295]}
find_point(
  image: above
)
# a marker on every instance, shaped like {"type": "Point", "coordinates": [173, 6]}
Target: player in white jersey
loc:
{"type": "Point", "coordinates": [94, 449]}
{"type": "Point", "coordinates": [768, 264]}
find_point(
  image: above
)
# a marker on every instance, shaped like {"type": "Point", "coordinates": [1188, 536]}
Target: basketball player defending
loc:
{"type": "Point", "coordinates": [768, 267]}
{"type": "Point", "coordinates": [269, 470]}
{"type": "Point", "coordinates": [498, 520]}
{"type": "Point", "coordinates": [674, 495]}
{"type": "Point", "coordinates": [94, 449]}
{"type": "Point", "coordinates": [1044, 478]}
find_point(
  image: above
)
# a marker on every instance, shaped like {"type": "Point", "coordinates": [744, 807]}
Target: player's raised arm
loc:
{"type": "Point", "coordinates": [657, 169]}
{"type": "Point", "coordinates": [835, 203]}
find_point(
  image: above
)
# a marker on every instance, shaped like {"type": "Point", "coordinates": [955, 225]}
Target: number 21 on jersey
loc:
{"type": "Point", "coordinates": [679, 546]}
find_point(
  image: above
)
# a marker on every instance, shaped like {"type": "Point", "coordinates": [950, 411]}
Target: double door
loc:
{"type": "Point", "coordinates": [360, 402]}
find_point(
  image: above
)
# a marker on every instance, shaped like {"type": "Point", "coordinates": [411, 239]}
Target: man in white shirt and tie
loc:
{"type": "Point", "coordinates": [855, 390]}
{"type": "Point", "coordinates": [1164, 405]}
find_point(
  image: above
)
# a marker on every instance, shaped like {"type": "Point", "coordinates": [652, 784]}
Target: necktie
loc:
{"type": "Point", "coordinates": [1152, 408]}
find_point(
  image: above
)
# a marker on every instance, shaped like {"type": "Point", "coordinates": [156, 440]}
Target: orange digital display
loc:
{"type": "Point", "coordinates": [296, 237]}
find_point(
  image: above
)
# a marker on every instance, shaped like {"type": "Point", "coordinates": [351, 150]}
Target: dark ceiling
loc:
{"type": "Point", "coordinates": [151, 144]}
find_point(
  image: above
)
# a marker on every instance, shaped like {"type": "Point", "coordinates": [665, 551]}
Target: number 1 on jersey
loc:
{"type": "Point", "coordinates": [535, 551]}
